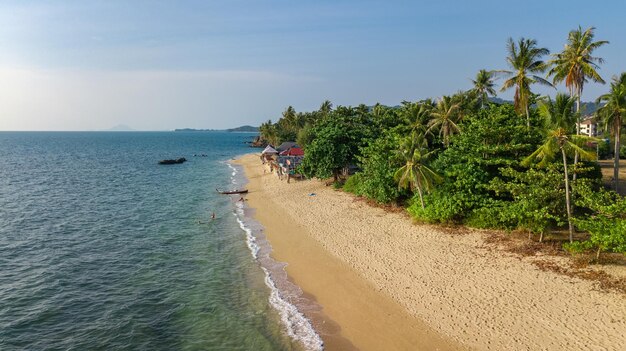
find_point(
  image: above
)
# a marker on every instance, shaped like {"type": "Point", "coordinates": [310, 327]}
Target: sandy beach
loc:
{"type": "Point", "coordinates": [386, 283]}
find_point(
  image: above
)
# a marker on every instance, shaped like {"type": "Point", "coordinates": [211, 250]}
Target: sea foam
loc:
{"type": "Point", "coordinates": [297, 325]}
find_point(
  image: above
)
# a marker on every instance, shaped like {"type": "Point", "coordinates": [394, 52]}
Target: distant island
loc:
{"type": "Point", "coordinates": [242, 129]}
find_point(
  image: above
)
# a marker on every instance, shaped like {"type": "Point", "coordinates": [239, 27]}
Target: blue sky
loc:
{"type": "Point", "coordinates": [158, 65]}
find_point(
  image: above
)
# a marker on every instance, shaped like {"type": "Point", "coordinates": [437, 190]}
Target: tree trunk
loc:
{"type": "Point", "coordinates": [578, 120]}
{"type": "Point", "coordinates": [527, 116]}
{"type": "Point", "coordinates": [567, 197]}
{"type": "Point", "coordinates": [616, 159]}
{"type": "Point", "coordinates": [419, 192]}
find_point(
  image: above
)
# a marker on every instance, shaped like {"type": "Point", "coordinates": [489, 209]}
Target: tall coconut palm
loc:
{"type": "Point", "coordinates": [575, 64]}
{"type": "Point", "coordinates": [326, 107]}
{"type": "Point", "coordinates": [484, 85]}
{"type": "Point", "coordinates": [613, 114]}
{"type": "Point", "coordinates": [559, 139]}
{"type": "Point", "coordinates": [415, 174]}
{"type": "Point", "coordinates": [559, 111]}
{"type": "Point", "coordinates": [444, 117]}
{"type": "Point", "coordinates": [417, 114]}
{"type": "Point", "coordinates": [525, 61]}
{"type": "Point", "coordinates": [268, 132]}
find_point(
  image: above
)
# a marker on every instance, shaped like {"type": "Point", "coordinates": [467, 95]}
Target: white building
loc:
{"type": "Point", "coordinates": [589, 127]}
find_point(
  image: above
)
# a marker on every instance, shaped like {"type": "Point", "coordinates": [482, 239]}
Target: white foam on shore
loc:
{"type": "Point", "coordinates": [233, 174]}
{"type": "Point", "coordinates": [250, 239]}
{"type": "Point", "coordinates": [297, 325]}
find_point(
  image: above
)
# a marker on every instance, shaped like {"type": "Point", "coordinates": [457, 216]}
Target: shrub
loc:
{"type": "Point", "coordinates": [606, 224]}
{"type": "Point", "coordinates": [353, 184]}
{"type": "Point", "coordinates": [378, 165]}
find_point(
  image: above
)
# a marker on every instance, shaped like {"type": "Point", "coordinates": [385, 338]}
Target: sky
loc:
{"type": "Point", "coordinates": [160, 65]}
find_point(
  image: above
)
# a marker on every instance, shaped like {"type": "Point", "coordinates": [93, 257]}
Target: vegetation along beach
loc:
{"type": "Point", "coordinates": [312, 175]}
{"type": "Point", "coordinates": [491, 222]}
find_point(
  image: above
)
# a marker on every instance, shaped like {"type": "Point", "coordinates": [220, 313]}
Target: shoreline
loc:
{"type": "Point", "coordinates": [419, 287]}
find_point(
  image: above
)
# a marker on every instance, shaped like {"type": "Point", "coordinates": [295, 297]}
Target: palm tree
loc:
{"type": "Point", "coordinates": [575, 65]}
{"type": "Point", "coordinates": [484, 86]}
{"type": "Point", "coordinates": [559, 112]}
{"type": "Point", "coordinates": [415, 174]}
{"type": "Point", "coordinates": [417, 114]}
{"type": "Point", "coordinates": [525, 60]}
{"type": "Point", "coordinates": [268, 132]}
{"type": "Point", "coordinates": [445, 117]}
{"type": "Point", "coordinates": [613, 113]}
{"type": "Point", "coordinates": [559, 138]}
{"type": "Point", "coordinates": [326, 107]}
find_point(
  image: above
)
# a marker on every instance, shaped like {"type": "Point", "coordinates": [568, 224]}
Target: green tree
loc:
{"type": "Point", "coordinates": [607, 222]}
{"type": "Point", "coordinates": [417, 114]}
{"type": "Point", "coordinates": [268, 133]}
{"type": "Point", "coordinates": [444, 118]}
{"type": "Point", "coordinates": [378, 162]}
{"type": "Point", "coordinates": [559, 140]}
{"type": "Point", "coordinates": [525, 61]}
{"type": "Point", "coordinates": [575, 64]}
{"type": "Point", "coordinates": [612, 113]}
{"type": "Point", "coordinates": [558, 112]}
{"type": "Point", "coordinates": [415, 173]}
{"type": "Point", "coordinates": [289, 124]}
{"type": "Point", "coordinates": [337, 143]}
{"type": "Point", "coordinates": [492, 138]}
{"type": "Point", "coordinates": [484, 86]}
{"type": "Point", "coordinates": [326, 107]}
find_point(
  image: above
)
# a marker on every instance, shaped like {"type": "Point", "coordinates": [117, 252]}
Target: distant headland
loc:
{"type": "Point", "coordinates": [242, 129]}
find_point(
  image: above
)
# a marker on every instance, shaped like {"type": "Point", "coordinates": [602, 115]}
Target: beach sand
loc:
{"type": "Point", "coordinates": [387, 284]}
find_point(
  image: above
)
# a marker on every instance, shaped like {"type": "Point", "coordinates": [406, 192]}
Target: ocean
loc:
{"type": "Point", "coordinates": [101, 248]}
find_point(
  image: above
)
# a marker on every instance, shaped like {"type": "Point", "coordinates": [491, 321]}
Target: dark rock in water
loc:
{"type": "Point", "coordinates": [172, 162]}
{"type": "Point", "coordinates": [258, 142]}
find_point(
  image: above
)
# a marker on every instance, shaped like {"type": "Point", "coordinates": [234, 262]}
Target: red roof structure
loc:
{"type": "Point", "coordinates": [294, 151]}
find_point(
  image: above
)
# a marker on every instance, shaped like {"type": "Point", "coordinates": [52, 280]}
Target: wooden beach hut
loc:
{"type": "Point", "coordinates": [289, 160]}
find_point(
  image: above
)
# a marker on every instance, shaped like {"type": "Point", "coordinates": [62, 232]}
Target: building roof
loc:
{"type": "Point", "coordinates": [294, 151]}
{"type": "Point", "coordinates": [588, 120]}
{"type": "Point", "coordinates": [269, 150]}
{"type": "Point", "coordinates": [286, 146]}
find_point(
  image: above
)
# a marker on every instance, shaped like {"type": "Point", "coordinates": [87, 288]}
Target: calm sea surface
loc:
{"type": "Point", "coordinates": [101, 248]}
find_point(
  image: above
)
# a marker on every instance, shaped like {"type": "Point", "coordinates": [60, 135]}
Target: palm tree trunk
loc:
{"type": "Point", "coordinates": [567, 197]}
{"type": "Point", "coordinates": [527, 116]}
{"type": "Point", "coordinates": [578, 120]}
{"type": "Point", "coordinates": [616, 159]}
{"type": "Point", "coordinates": [419, 192]}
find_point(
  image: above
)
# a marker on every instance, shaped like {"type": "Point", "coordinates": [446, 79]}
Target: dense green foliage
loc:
{"type": "Point", "coordinates": [492, 138]}
{"type": "Point", "coordinates": [461, 159]}
{"type": "Point", "coordinates": [378, 164]}
{"type": "Point", "coordinates": [337, 139]}
{"type": "Point", "coordinates": [607, 222]}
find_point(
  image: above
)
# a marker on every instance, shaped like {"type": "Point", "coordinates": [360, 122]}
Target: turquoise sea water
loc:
{"type": "Point", "coordinates": [101, 248]}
